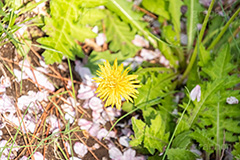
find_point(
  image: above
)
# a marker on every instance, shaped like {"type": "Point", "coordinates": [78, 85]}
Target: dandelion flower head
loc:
{"type": "Point", "coordinates": [115, 83]}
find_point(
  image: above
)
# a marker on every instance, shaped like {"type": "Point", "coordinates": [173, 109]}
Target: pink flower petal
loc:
{"type": "Point", "coordinates": [196, 93]}
{"type": "Point", "coordinates": [114, 153]}
{"type": "Point", "coordinates": [93, 131]}
{"type": "Point", "coordinates": [84, 124]}
{"type": "Point", "coordinates": [80, 149]}
{"type": "Point", "coordinates": [96, 104]}
{"type": "Point", "coordinates": [74, 158]}
{"type": "Point", "coordinates": [38, 155]}
{"type": "Point", "coordinates": [124, 140]}
{"type": "Point", "coordinates": [140, 41]}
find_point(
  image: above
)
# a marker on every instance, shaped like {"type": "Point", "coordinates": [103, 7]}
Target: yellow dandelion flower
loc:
{"type": "Point", "coordinates": [114, 83]}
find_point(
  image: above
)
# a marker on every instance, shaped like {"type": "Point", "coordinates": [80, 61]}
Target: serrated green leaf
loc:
{"type": "Point", "coordinates": [124, 9]}
{"type": "Point", "coordinates": [154, 87]}
{"type": "Point", "coordinates": [203, 139]}
{"type": "Point", "coordinates": [180, 154]}
{"type": "Point", "coordinates": [98, 57]}
{"type": "Point", "coordinates": [236, 151]}
{"type": "Point", "coordinates": [64, 28]}
{"type": "Point", "coordinates": [204, 56]}
{"type": "Point", "coordinates": [216, 119]}
{"type": "Point", "coordinates": [91, 16]}
{"type": "Point", "coordinates": [194, 9]}
{"type": "Point", "coordinates": [120, 36]}
{"type": "Point", "coordinates": [92, 3]}
{"type": "Point", "coordinates": [221, 64]}
{"type": "Point", "coordinates": [155, 136]}
{"type": "Point", "coordinates": [157, 6]}
{"type": "Point", "coordinates": [175, 12]}
{"type": "Point", "coordinates": [182, 140]}
{"type": "Point", "coordinates": [138, 128]}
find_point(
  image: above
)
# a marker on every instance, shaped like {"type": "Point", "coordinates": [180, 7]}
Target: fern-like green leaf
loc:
{"type": "Point", "coordinates": [120, 36]}
{"type": "Point", "coordinates": [216, 119]}
{"type": "Point", "coordinates": [155, 86]}
{"type": "Point", "coordinates": [67, 24]}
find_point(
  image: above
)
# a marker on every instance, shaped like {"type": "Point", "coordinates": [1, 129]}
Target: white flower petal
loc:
{"type": "Point", "coordinates": [196, 93]}
{"type": "Point", "coordinates": [80, 149]}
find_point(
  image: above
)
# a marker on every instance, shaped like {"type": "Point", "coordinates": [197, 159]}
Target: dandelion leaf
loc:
{"type": "Point", "coordinates": [120, 36]}
{"type": "Point", "coordinates": [66, 25]}
{"type": "Point", "coordinates": [214, 121]}
{"type": "Point", "coordinates": [138, 127]}
{"type": "Point", "coordinates": [150, 136]}
{"type": "Point", "coordinates": [158, 7]}
{"type": "Point", "coordinates": [193, 12]}
{"type": "Point", "coordinates": [180, 154]}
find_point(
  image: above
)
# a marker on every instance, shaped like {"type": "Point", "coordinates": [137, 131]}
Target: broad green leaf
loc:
{"type": "Point", "coordinates": [194, 9]}
{"type": "Point", "coordinates": [175, 12]}
{"type": "Point", "coordinates": [157, 6]}
{"type": "Point", "coordinates": [138, 128]}
{"type": "Point", "coordinates": [180, 154]}
{"type": "Point", "coordinates": [120, 36]}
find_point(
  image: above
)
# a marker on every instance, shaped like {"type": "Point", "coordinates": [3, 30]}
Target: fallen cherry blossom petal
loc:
{"type": "Point", "coordinates": [140, 41]}
{"type": "Point", "coordinates": [68, 148]}
{"type": "Point", "coordinates": [84, 73]}
{"type": "Point", "coordinates": [84, 124]}
{"type": "Point", "coordinates": [114, 153]}
{"type": "Point", "coordinates": [95, 104]}
{"type": "Point", "coordinates": [196, 93]}
{"type": "Point", "coordinates": [127, 132]}
{"type": "Point", "coordinates": [100, 39]}
{"type": "Point", "coordinates": [5, 81]}
{"type": "Point", "coordinates": [6, 104]}
{"type": "Point", "coordinates": [85, 92]}
{"type": "Point", "coordinates": [149, 55]}
{"type": "Point", "coordinates": [34, 74]}
{"type": "Point", "coordinates": [80, 149]}
{"type": "Point", "coordinates": [93, 131]}
{"type": "Point", "coordinates": [104, 133]}
{"type": "Point", "coordinates": [20, 75]}
{"type": "Point", "coordinates": [96, 146]}
{"type": "Point", "coordinates": [53, 121]}
{"type": "Point", "coordinates": [124, 140]}
{"type": "Point", "coordinates": [38, 155]}
{"type": "Point", "coordinates": [24, 158]}
{"type": "Point", "coordinates": [232, 100]}
{"type": "Point", "coordinates": [74, 158]}
{"type": "Point", "coordinates": [70, 117]}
